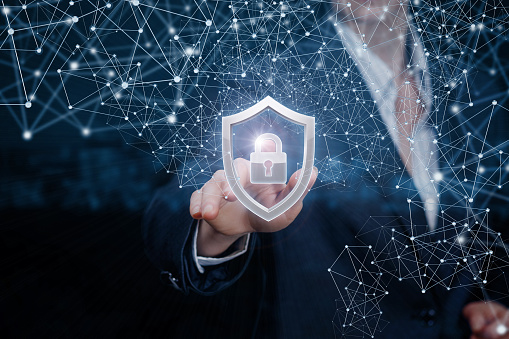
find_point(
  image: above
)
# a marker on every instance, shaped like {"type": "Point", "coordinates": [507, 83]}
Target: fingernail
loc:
{"type": "Point", "coordinates": [207, 209]}
{"type": "Point", "coordinates": [196, 210]}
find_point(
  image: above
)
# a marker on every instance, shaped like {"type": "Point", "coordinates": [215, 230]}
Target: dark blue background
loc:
{"type": "Point", "coordinates": [71, 256]}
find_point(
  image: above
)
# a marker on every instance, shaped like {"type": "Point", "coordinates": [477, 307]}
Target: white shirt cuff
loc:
{"type": "Point", "coordinates": [209, 261]}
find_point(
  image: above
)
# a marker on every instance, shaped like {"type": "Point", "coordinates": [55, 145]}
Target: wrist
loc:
{"type": "Point", "coordinates": [211, 243]}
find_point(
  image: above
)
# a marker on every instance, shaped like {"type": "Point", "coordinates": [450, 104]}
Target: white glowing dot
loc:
{"type": "Point", "coordinates": [208, 22]}
{"type": "Point", "coordinates": [73, 65]}
{"type": "Point", "coordinates": [27, 135]}
{"type": "Point", "coordinates": [494, 102]}
{"type": "Point", "coordinates": [75, 19]}
{"type": "Point", "coordinates": [243, 75]}
{"type": "Point", "coordinates": [10, 31]}
{"type": "Point", "coordinates": [85, 132]}
{"type": "Point", "coordinates": [28, 104]}
{"type": "Point", "coordinates": [177, 79]}
{"type": "Point", "coordinates": [438, 176]}
{"type": "Point", "coordinates": [38, 50]}
{"type": "Point", "coordinates": [176, 37]}
{"type": "Point", "coordinates": [501, 329]}
{"type": "Point", "coordinates": [135, 2]}
{"type": "Point", "coordinates": [124, 85]}
{"type": "Point", "coordinates": [172, 118]}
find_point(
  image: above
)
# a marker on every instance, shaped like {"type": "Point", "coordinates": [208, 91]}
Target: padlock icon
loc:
{"type": "Point", "coordinates": [268, 167]}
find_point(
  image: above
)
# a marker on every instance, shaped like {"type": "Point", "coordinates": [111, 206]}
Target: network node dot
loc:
{"type": "Point", "coordinates": [27, 135]}
{"type": "Point", "coordinates": [501, 329]}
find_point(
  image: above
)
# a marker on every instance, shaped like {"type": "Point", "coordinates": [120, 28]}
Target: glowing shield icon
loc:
{"type": "Point", "coordinates": [269, 213]}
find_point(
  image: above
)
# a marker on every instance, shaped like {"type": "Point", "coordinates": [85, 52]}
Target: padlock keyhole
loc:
{"type": "Point", "coordinates": [268, 168]}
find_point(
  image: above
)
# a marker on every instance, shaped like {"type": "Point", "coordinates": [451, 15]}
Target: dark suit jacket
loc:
{"type": "Point", "coordinates": [282, 287]}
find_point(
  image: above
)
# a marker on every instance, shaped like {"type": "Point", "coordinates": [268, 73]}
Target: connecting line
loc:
{"type": "Point", "coordinates": [482, 149]}
{"type": "Point", "coordinates": [16, 54]}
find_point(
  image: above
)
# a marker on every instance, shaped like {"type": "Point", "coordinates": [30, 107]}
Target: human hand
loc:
{"type": "Point", "coordinates": [224, 219]}
{"type": "Point", "coordinates": [488, 320]}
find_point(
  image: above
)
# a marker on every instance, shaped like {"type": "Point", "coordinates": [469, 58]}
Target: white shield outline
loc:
{"type": "Point", "coordinates": [269, 213]}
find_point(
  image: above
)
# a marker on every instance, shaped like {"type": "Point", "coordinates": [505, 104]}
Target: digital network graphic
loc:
{"type": "Point", "coordinates": [165, 73]}
{"type": "Point", "coordinates": [268, 167]}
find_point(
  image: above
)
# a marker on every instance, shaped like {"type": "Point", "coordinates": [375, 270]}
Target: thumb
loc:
{"type": "Point", "coordinates": [292, 182]}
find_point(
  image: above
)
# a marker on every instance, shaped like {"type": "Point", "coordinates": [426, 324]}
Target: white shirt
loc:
{"type": "Point", "coordinates": [380, 80]}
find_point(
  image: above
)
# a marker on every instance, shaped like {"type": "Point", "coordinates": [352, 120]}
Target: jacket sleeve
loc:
{"type": "Point", "coordinates": [168, 231]}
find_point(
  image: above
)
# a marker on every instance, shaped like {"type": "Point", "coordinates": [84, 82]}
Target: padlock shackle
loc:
{"type": "Point", "coordinates": [268, 136]}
